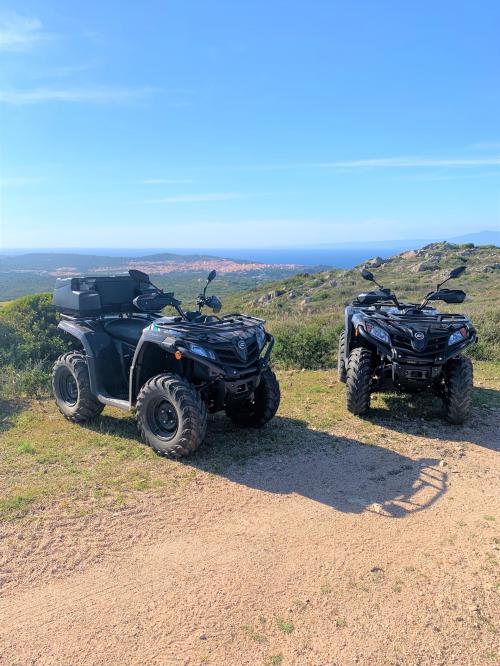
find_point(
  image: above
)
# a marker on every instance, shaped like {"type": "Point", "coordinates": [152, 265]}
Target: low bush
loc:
{"type": "Point", "coordinates": [29, 344]}
{"type": "Point", "coordinates": [487, 348]}
{"type": "Point", "coordinates": [311, 344]}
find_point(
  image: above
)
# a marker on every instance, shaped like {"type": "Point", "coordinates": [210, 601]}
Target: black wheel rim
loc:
{"type": "Point", "coordinates": [162, 419]}
{"type": "Point", "coordinates": [68, 388]}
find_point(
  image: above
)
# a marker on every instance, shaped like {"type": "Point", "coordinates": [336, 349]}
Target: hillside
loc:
{"type": "Point", "coordinates": [409, 274]}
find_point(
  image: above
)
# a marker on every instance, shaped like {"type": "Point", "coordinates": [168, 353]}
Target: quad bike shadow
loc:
{"type": "Point", "coordinates": [349, 475]}
{"type": "Point", "coordinates": [287, 457]}
{"type": "Point", "coordinates": [422, 414]}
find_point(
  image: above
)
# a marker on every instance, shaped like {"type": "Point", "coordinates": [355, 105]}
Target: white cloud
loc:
{"type": "Point", "coordinates": [164, 181]}
{"type": "Point", "coordinates": [194, 198]}
{"type": "Point", "coordinates": [19, 33]}
{"type": "Point", "coordinates": [389, 163]}
{"type": "Point", "coordinates": [98, 95]}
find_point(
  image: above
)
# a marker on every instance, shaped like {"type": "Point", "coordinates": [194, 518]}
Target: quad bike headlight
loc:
{"type": "Point", "coordinates": [379, 333]}
{"type": "Point", "coordinates": [457, 336]}
{"type": "Point", "coordinates": [201, 351]}
{"type": "Point", "coordinates": [261, 336]}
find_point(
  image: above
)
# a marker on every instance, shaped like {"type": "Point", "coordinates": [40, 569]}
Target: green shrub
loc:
{"type": "Point", "coordinates": [29, 344]}
{"type": "Point", "coordinates": [487, 348]}
{"type": "Point", "coordinates": [309, 345]}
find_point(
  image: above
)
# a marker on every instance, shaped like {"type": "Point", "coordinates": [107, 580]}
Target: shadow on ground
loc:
{"type": "Point", "coordinates": [8, 411]}
{"type": "Point", "coordinates": [288, 457]}
{"type": "Point", "coordinates": [423, 415]}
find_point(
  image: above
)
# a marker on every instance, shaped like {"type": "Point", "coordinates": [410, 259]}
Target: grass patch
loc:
{"type": "Point", "coordinates": [254, 635]}
{"type": "Point", "coordinates": [16, 506]}
{"type": "Point", "coordinates": [286, 626]}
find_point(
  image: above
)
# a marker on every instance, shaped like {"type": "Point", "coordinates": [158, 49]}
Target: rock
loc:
{"type": "Point", "coordinates": [375, 262]}
{"type": "Point", "coordinates": [423, 266]}
{"type": "Point", "coordinates": [442, 463]}
{"type": "Point", "coordinates": [276, 293]}
{"type": "Point", "coordinates": [489, 268]}
{"type": "Point", "coordinates": [306, 300]}
{"type": "Point", "coordinates": [292, 294]}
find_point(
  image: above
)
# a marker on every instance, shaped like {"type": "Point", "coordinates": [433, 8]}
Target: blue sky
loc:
{"type": "Point", "coordinates": [232, 124]}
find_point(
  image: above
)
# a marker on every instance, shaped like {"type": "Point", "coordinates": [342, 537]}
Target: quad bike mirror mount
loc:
{"type": "Point", "coordinates": [448, 297]}
{"type": "Point", "coordinates": [202, 299]}
{"type": "Point", "coordinates": [368, 275]}
{"type": "Point", "coordinates": [456, 272]}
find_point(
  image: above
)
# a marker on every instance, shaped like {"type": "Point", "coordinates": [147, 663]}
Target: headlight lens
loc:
{"type": "Point", "coordinates": [378, 333]}
{"type": "Point", "coordinates": [201, 351]}
{"type": "Point", "coordinates": [261, 336]}
{"type": "Point", "coordinates": [457, 336]}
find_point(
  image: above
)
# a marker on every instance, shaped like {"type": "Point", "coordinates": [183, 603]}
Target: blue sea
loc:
{"type": "Point", "coordinates": [337, 256]}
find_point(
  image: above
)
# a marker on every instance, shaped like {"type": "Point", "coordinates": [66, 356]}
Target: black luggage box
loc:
{"type": "Point", "coordinates": [94, 296]}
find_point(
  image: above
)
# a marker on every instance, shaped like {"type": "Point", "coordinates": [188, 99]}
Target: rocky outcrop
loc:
{"type": "Point", "coordinates": [430, 265]}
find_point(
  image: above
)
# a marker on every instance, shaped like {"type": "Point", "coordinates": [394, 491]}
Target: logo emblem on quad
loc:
{"type": "Point", "coordinates": [419, 335]}
{"type": "Point", "coordinates": [241, 348]}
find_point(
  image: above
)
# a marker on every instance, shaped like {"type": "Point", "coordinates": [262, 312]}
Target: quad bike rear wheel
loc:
{"type": "Point", "coordinates": [71, 387]}
{"type": "Point", "coordinates": [257, 412]}
{"type": "Point", "coordinates": [171, 416]}
{"type": "Point", "coordinates": [459, 386]}
{"type": "Point", "coordinates": [341, 369]}
{"type": "Point", "coordinates": [359, 377]}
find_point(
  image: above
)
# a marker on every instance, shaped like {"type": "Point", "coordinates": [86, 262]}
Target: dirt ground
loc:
{"type": "Point", "coordinates": [362, 543]}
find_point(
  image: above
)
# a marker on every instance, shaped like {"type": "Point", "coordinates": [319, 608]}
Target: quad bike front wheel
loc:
{"type": "Point", "coordinates": [171, 416]}
{"type": "Point", "coordinates": [341, 369]}
{"type": "Point", "coordinates": [359, 377]}
{"type": "Point", "coordinates": [257, 412]}
{"type": "Point", "coordinates": [71, 387]}
{"type": "Point", "coordinates": [459, 386]}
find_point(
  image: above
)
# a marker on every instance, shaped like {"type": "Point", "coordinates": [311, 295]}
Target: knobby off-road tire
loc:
{"type": "Point", "coordinates": [341, 369]}
{"type": "Point", "coordinates": [71, 387]}
{"type": "Point", "coordinates": [257, 412]}
{"type": "Point", "coordinates": [459, 386]}
{"type": "Point", "coordinates": [171, 416]}
{"type": "Point", "coordinates": [359, 376]}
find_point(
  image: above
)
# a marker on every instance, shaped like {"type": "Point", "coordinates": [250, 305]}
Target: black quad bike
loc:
{"type": "Point", "coordinates": [171, 370]}
{"type": "Point", "coordinates": [387, 345]}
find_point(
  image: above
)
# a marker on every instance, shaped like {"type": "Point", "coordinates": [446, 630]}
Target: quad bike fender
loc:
{"type": "Point", "coordinates": [348, 333]}
{"type": "Point", "coordinates": [102, 359]}
{"type": "Point", "coordinates": [81, 333]}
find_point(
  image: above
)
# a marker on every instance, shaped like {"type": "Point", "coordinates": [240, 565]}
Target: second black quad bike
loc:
{"type": "Point", "coordinates": [387, 345]}
{"type": "Point", "coordinates": [171, 370]}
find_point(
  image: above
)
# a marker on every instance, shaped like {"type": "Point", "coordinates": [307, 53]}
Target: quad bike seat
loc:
{"type": "Point", "coordinates": [128, 330]}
